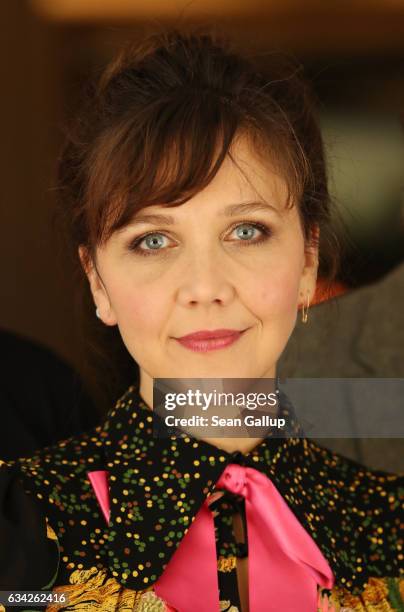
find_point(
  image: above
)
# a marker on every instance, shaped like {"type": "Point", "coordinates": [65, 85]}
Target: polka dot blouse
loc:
{"type": "Point", "coordinates": [54, 535]}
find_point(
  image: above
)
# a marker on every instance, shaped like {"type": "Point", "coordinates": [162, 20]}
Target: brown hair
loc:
{"type": "Point", "coordinates": [156, 128]}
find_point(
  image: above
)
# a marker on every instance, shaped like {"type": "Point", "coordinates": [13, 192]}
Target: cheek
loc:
{"type": "Point", "coordinates": [276, 283]}
{"type": "Point", "coordinates": [138, 311]}
{"type": "Point", "coordinates": [277, 292]}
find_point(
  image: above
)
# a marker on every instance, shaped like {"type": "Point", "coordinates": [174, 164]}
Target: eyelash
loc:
{"type": "Point", "coordinates": [266, 231]}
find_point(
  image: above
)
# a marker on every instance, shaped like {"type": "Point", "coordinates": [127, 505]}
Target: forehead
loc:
{"type": "Point", "coordinates": [246, 173]}
{"type": "Point", "coordinates": [246, 182]}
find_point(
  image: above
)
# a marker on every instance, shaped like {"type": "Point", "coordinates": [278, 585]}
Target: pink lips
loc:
{"type": "Point", "coordinates": [206, 340]}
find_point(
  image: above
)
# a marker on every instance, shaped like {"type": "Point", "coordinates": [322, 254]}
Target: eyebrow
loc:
{"type": "Point", "coordinates": [229, 211]}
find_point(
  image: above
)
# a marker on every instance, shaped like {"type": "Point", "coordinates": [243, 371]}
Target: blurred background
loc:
{"type": "Point", "coordinates": [353, 52]}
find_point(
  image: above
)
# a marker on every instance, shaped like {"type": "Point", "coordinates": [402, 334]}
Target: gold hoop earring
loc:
{"type": "Point", "coordinates": [305, 309]}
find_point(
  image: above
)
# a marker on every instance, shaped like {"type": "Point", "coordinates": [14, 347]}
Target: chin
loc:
{"type": "Point", "coordinates": [230, 372]}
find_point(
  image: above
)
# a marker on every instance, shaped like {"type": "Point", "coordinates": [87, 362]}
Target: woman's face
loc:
{"type": "Point", "coordinates": [232, 257]}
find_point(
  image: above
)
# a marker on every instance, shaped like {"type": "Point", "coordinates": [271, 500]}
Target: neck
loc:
{"type": "Point", "coordinates": [244, 445]}
{"type": "Point", "coordinates": [230, 445]}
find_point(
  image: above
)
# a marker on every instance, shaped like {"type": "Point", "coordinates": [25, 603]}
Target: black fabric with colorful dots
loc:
{"type": "Point", "coordinates": [157, 487]}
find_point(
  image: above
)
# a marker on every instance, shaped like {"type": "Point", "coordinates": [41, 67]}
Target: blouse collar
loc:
{"type": "Point", "coordinates": [158, 485]}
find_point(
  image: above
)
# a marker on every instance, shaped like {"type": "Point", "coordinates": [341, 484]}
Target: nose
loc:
{"type": "Point", "coordinates": [205, 281]}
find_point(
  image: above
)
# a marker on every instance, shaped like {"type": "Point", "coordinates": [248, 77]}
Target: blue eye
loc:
{"type": "Point", "coordinates": [247, 230]}
{"type": "Point", "coordinates": [154, 240]}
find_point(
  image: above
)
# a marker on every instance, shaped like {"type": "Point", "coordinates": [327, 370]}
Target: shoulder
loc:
{"type": "Point", "coordinates": [353, 512]}
{"type": "Point", "coordinates": [66, 460]}
{"type": "Point", "coordinates": [355, 483]}
{"type": "Point", "coordinates": [339, 463]}
{"type": "Point", "coordinates": [58, 478]}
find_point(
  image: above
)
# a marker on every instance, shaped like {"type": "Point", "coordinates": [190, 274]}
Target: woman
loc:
{"type": "Point", "coordinates": [194, 193]}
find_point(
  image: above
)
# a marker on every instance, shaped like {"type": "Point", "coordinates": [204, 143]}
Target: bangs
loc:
{"type": "Point", "coordinates": [155, 128]}
{"type": "Point", "coordinates": [174, 153]}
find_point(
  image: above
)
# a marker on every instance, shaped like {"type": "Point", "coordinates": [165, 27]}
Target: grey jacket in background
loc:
{"type": "Point", "coordinates": [357, 335]}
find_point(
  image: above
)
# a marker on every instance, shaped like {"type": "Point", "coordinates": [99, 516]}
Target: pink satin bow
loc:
{"type": "Point", "coordinates": [285, 565]}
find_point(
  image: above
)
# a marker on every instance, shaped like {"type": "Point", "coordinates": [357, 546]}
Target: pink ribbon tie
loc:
{"type": "Point", "coordinates": [285, 565]}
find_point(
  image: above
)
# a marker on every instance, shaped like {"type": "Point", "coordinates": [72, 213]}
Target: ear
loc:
{"type": "Point", "coordinates": [100, 296]}
{"type": "Point", "coordinates": [308, 279]}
